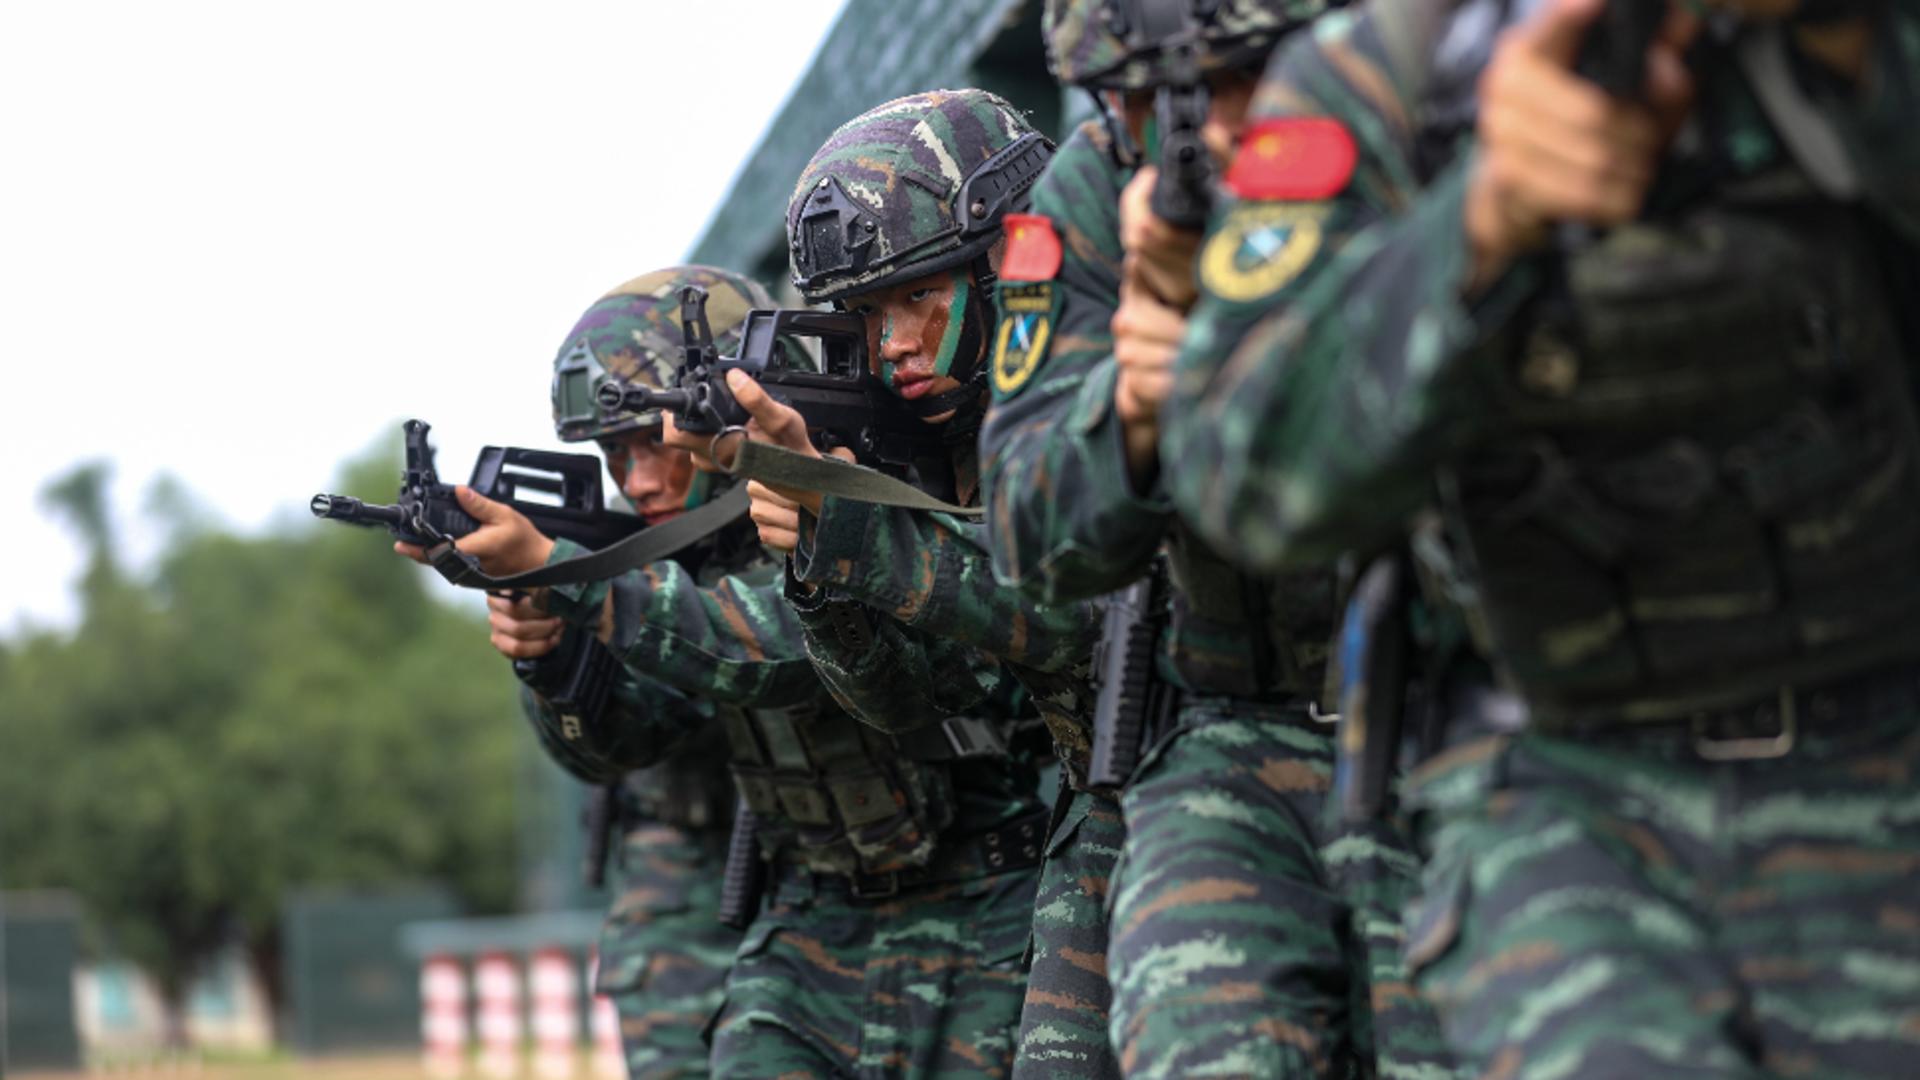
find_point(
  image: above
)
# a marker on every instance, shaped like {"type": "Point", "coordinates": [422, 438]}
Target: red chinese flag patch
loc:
{"type": "Point", "coordinates": [1293, 159]}
{"type": "Point", "coordinates": [1033, 249]}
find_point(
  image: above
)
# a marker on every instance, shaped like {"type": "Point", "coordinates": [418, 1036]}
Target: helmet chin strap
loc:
{"type": "Point", "coordinates": [967, 363]}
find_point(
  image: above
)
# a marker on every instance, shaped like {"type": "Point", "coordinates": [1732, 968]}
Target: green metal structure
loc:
{"type": "Point", "coordinates": [877, 50]}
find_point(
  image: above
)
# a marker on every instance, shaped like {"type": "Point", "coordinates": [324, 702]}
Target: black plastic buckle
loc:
{"type": "Point", "coordinates": [1749, 747]}
{"type": "Point", "coordinates": [874, 886]}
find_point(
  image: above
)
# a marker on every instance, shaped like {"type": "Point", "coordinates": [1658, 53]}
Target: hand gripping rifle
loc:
{"type": "Point", "coordinates": [427, 512]}
{"type": "Point", "coordinates": [843, 404]}
{"type": "Point", "coordinates": [1183, 192]}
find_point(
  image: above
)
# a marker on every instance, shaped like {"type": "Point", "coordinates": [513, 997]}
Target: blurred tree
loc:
{"type": "Point", "coordinates": [260, 714]}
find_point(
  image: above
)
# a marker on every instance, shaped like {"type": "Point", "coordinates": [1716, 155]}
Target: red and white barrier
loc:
{"type": "Point", "coordinates": [556, 1014]}
{"type": "Point", "coordinates": [443, 1017]}
{"type": "Point", "coordinates": [496, 981]}
{"type": "Point", "coordinates": [609, 1057]}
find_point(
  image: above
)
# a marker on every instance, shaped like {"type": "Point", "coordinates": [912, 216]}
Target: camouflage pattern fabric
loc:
{"type": "Point", "coordinates": [1611, 905]}
{"type": "Point", "coordinates": [633, 334]}
{"type": "Point", "coordinates": [926, 984]}
{"type": "Point", "coordinates": [1619, 907]}
{"type": "Point", "coordinates": [1315, 410]}
{"type": "Point", "coordinates": [898, 168]}
{"type": "Point", "coordinates": [1083, 48]}
{"type": "Point", "coordinates": [664, 956]}
{"type": "Point", "coordinates": [1250, 937]}
{"type": "Point", "coordinates": [1063, 1024]}
{"type": "Point", "coordinates": [1056, 433]}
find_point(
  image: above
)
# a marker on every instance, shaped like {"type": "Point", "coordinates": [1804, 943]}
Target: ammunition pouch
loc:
{"type": "Point", "coordinates": [847, 798]}
{"type": "Point", "coordinates": [1708, 488]}
{"type": "Point", "coordinates": [1262, 638]}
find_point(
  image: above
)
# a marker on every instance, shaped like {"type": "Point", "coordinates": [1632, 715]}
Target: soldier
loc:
{"type": "Point", "coordinates": [898, 218]}
{"type": "Point", "coordinates": [1247, 935]}
{"type": "Point", "coordinates": [1631, 369]}
{"type": "Point", "coordinates": [901, 868]}
{"type": "Point", "coordinates": [663, 955]}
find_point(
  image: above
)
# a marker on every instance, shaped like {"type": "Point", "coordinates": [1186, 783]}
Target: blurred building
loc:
{"type": "Point", "coordinates": [878, 50]}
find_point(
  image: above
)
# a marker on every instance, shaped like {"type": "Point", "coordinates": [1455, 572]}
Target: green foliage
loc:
{"type": "Point", "coordinates": [259, 714]}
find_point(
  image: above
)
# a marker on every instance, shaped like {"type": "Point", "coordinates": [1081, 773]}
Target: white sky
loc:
{"type": "Point", "coordinates": [240, 241]}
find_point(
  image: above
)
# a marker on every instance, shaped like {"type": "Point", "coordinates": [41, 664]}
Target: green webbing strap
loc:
{"type": "Point", "coordinates": [780, 467]}
{"type": "Point", "coordinates": [643, 547]}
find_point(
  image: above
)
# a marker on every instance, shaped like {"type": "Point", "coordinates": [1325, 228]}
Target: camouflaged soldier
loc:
{"type": "Point", "coordinates": [663, 954]}
{"type": "Point", "coordinates": [1664, 477]}
{"type": "Point", "coordinates": [895, 920]}
{"type": "Point", "coordinates": [1248, 936]}
{"type": "Point", "coordinates": [897, 218]}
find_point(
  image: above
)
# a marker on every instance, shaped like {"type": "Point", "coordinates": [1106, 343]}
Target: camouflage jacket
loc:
{"type": "Point", "coordinates": [728, 637]}
{"type": "Point", "coordinates": [934, 633]}
{"type": "Point", "coordinates": [1063, 514]}
{"type": "Point", "coordinates": [1064, 517]}
{"type": "Point", "coordinates": [1329, 364]}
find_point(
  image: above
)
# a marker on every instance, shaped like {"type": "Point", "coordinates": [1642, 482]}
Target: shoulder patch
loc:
{"type": "Point", "coordinates": [1033, 249]}
{"type": "Point", "coordinates": [1293, 159]}
{"type": "Point", "coordinates": [1260, 248]}
{"type": "Point", "coordinates": [1026, 326]}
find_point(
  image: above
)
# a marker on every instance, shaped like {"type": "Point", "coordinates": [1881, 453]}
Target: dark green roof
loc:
{"type": "Point", "coordinates": [877, 50]}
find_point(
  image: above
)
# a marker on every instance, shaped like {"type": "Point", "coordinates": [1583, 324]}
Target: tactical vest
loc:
{"type": "Point", "coordinates": [691, 789]}
{"type": "Point", "coordinates": [1707, 487]}
{"type": "Point", "coordinates": [839, 795]}
{"type": "Point", "coordinates": [1244, 636]}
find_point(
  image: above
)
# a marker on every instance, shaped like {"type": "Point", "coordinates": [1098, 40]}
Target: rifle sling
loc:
{"type": "Point", "coordinates": [777, 466]}
{"type": "Point", "coordinates": [643, 547]}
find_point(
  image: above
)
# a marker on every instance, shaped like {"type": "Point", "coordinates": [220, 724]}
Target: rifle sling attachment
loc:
{"type": "Point", "coordinates": [643, 547]}
{"type": "Point", "coordinates": [777, 466]}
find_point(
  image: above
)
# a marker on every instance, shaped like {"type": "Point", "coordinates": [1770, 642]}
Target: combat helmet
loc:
{"type": "Point", "coordinates": [1125, 44]}
{"type": "Point", "coordinates": [633, 335]}
{"type": "Point", "coordinates": [910, 188]}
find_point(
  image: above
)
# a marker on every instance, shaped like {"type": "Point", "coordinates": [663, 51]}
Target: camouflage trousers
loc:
{"type": "Point", "coordinates": [927, 983]}
{"type": "Point", "coordinates": [1249, 936]}
{"type": "Point", "coordinates": [663, 954]}
{"type": "Point", "coordinates": [1063, 1025]}
{"type": "Point", "coordinates": [1616, 905]}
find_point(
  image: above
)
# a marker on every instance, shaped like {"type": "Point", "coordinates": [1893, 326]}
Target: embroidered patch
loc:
{"type": "Point", "coordinates": [1293, 159]}
{"type": "Point", "coordinates": [1260, 249]}
{"type": "Point", "coordinates": [1033, 249]}
{"type": "Point", "coordinates": [1026, 325]}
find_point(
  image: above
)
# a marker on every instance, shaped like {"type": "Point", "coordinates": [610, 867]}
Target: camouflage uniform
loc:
{"type": "Point", "coordinates": [663, 954]}
{"type": "Point", "coordinates": [1672, 830]}
{"type": "Point", "coordinates": [936, 627]}
{"type": "Point", "coordinates": [890, 938]}
{"type": "Point", "coordinates": [1248, 935]}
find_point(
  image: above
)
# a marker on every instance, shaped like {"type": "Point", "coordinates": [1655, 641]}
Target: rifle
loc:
{"type": "Point", "coordinates": [843, 404]}
{"type": "Point", "coordinates": [427, 513]}
{"type": "Point", "coordinates": [1183, 192]}
{"type": "Point", "coordinates": [1133, 703]}
{"type": "Point", "coordinates": [1614, 54]}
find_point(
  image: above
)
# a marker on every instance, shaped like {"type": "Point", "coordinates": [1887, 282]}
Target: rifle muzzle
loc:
{"type": "Point", "coordinates": [354, 512]}
{"type": "Point", "coordinates": [641, 398]}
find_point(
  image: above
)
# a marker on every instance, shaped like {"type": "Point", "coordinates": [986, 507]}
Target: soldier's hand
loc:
{"type": "Point", "coordinates": [1554, 147]}
{"type": "Point", "coordinates": [1146, 339]}
{"type": "Point", "coordinates": [1159, 256]}
{"type": "Point", "coordinates": [777, 516]}
{"type": "Point", "coordinates": [506, 542]}
{"type": "Point", "coordinates": [782, 426]}
{"type": "Point", "coordinates": [521, 630]}
{"type": "Point", "coordinates": [700, 448]}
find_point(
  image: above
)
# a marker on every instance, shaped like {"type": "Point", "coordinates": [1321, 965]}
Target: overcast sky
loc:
{"type": "Point", "coordinates": [240, 241]}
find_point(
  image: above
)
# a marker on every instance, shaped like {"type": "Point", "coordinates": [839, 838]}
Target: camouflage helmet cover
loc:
{"type": "Point", "coordinates": [632, 334]}
{"type": "Point", "coordinates": [906, 189]}
{"type": "Point", "coordinates": [1110, 44]}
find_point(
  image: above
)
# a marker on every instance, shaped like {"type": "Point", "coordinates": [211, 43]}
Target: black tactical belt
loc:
{"type": "Point", "coordinates": [1766, 727]}
{"type": "Point", "coordinates": [1013, 846]}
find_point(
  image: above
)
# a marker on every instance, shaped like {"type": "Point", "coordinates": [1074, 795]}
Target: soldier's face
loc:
{"type": "Point", "coordinates": [654, 477]}
{"type": "Point", "coordinates": [908, 330]}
